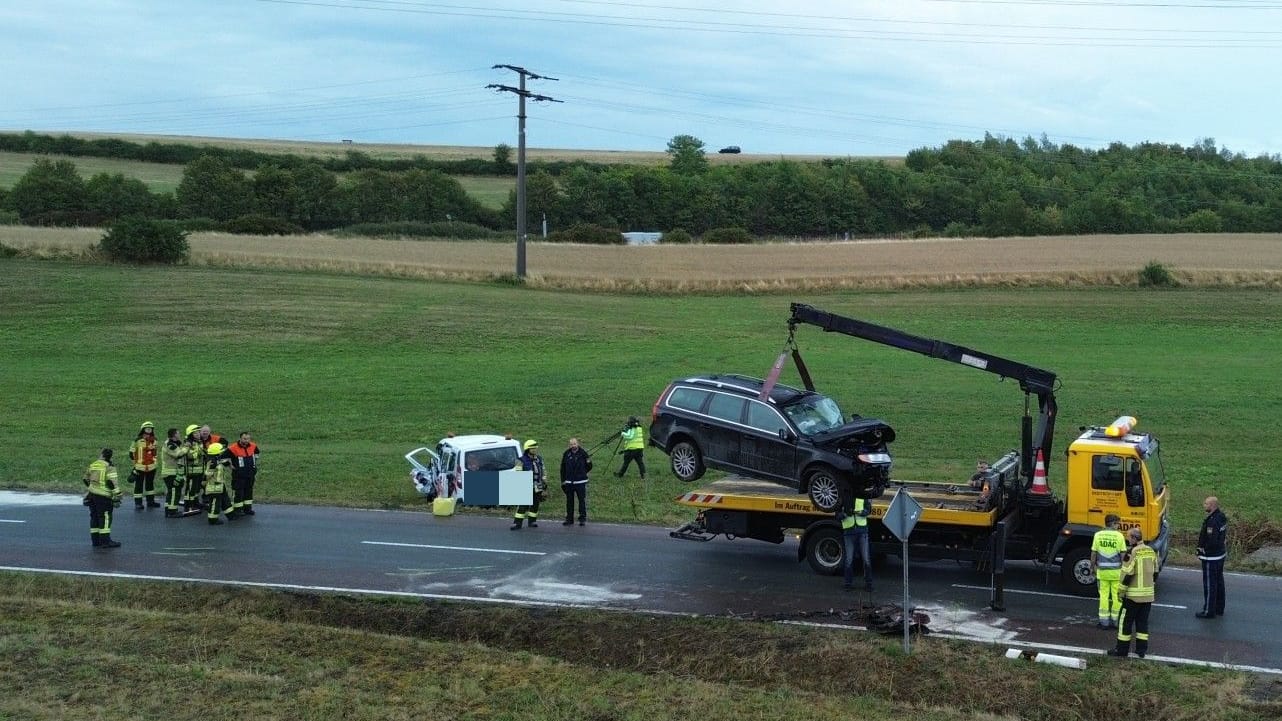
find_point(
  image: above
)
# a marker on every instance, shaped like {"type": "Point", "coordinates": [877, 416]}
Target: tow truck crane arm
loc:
{"type": "Point", "coordinates": [1033, 381]}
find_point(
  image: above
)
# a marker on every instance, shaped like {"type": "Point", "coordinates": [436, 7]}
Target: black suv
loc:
{"type": "Point", "coordinates": [797, 438]}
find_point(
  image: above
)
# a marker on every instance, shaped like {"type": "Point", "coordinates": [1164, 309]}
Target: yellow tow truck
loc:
{"type": "Point", "coordinates": [1008, 513]}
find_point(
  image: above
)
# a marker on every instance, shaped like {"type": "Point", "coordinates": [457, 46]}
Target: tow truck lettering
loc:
{"type": "Point", "coordinates": [793, 506]}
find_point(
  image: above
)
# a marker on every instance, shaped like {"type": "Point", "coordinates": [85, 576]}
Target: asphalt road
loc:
{"type": "Point", "coordinates": [476, 558]}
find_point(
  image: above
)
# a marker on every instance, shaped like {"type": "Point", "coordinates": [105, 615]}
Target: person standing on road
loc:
{"type": "Point", "coordinates": [1212, 550]}
{"type": "Point", "coordinates": [244, 470]}
{"type": "Point", "coordinates": [193, 471]}
{"type": "Point", "coordinates": [575, 466]}
{"type": "Point", "coordinates": [1138, 572]}
{"type": "Point", "coordinates": [217, 478]}
{"type": "Point", "coordinates": [531, 461]}
{"type": "Point", "coordinates": [854, 532]}
{"type": "Point", "coordinates": [633, 446]}
{"type": "Point", "coordinates": [1106, 561]}
{"type": "Point", "coordinates": [143, 453]}
{"type": "Point", "coordinates": [104, 495]}
{"type": "Point", "coordinates": [172, 461]}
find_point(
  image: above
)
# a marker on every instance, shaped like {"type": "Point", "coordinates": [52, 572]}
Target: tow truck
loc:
{"type": "Point", "coordinates": [1009, 513]}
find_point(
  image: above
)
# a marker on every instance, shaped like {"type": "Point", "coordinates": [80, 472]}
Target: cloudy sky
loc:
{"type": "Point", "coordinates": [859, 77]}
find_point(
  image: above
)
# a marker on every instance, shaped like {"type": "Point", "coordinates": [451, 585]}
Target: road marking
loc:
{"type": "Point", "coordinates": [176, 553]}
{"type": "Point", "coordinates": [6, 520]}
{"type": "Point", "coordinates": [192, 548]}
{"type": "Point", "coordinates": [1056, 595]}
{"type": "Point", "coordinates": [454, 548]}
{"type": "Point", "coordinates": [684, 614]}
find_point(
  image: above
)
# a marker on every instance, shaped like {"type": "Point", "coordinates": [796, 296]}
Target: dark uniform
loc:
{"type": "Point", "coordinates": [244, 470]}
{"type": "Point", "coordinates": [575, 465]}
{"type": "Point", "coordinates": [531, 461]}
{"type": "Point", "coordinates": [104, 495]}
{"type": "Point", "coordinates": [217, 479]}
{"type": "Point", "coordinates": [1212, 550]}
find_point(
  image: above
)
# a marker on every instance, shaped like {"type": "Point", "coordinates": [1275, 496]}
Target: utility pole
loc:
{"type": "Point", "coordinates": [522, 94]}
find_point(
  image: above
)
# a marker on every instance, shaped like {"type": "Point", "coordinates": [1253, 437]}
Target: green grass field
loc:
{"type": "Point", "coordinates": [338, 376]}
{"type": "Point", "coordinates": [490, 191]}
{"type": "Point", "coordinates": [160, 178]}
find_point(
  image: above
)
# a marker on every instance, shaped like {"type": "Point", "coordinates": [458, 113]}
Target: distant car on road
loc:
{"type": "Point", "coordinates": [731, 149]}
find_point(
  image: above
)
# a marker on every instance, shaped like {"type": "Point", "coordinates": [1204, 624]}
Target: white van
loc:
{"type": "Point", "coordinates": [439, 473]}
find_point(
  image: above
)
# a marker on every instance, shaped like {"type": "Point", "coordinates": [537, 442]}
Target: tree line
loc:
{"type": "Point", "coordinates": [994, 187]}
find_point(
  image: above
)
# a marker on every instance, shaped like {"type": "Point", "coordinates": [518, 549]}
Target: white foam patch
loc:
{"type": "Point", "coordinates": [969, 624]}
{"type": "Point", "coordinates": [23, 498]}
{"type": "Point", "coordinates": [557, 592]}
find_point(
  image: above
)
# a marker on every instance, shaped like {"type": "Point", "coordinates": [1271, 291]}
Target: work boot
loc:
{"type": "Point", "coordinates": [97, 542]}
{"type": "Point", "coordinates": [533, 523]}
{"type": "Point", "coordinates": [1118, 652]}
{"type": "Point", "coordinates": [619, 474]}
{"type": "Point", "coordinates": [516, 525]}
{"type": "Point", "coordinates": [568, 522]}
{"type": "Point", "coordinates": [583, 522]}
{"type": "Point", "coordinates": [172, 513]}
{"type": "Point", "coordinates": [151, 503]}
{"type": "Point", "coordinates": [108, 543]}
{"type": "Point", "coordinates": [215, 522]}
{"type": "Point", "coordinates": [137, 504]}
{"type": "Point", "coordinates": [247, 510]}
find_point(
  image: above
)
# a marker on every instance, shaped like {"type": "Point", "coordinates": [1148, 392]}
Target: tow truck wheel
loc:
{"type": "Point", "coordinates": [687, 462]}
{"type": "Point", "coordinates": [824, 550]}
{"type": "Point", "coordinates": [1076, 571]}
{"type": "Point", "coordinates": [824, 489]}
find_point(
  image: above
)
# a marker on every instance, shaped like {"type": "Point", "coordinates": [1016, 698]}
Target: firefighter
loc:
{"type": "Point", "coordinates": [217, 478]}
{"type": "Point", "coordinates": [172, 463]}
{"type": "Point", "coordinates": [531, 461]}
{"type": "Point", "coordinates": [633, 446]}
{"type": "Point", "coordinates": [1138, 572]}
{"type": "Point", "coordinates": [104, 495]}
{"type": "Point", "coordinates": [1106, 561]}
{"type": "Point", "coordinates": [244, 469]}
{"type": "Point", "coordinates": [143, 453]}
{"type": "Point", "coordinates": [194, 470]}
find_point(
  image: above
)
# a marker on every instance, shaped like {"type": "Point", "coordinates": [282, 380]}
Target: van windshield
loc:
{"type": "Point", "coordinates": [503, 458]}
{"type": "Point", "coordinates": [813, 413]}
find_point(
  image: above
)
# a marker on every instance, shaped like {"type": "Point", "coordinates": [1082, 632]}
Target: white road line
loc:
{"type": "Point", "coordinates": [1056, 595]}
{"type": "Point", "coordinates": [455, 548]}
{"type": "Point", "coordinates": [6, 520]}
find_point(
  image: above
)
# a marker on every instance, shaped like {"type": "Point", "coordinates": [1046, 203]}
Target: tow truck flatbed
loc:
{"type": "Point", "coordinates": [942, 503]}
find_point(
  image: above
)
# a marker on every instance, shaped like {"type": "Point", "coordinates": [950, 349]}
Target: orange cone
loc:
{"type": "Point", "coordinates": [1040, 487]}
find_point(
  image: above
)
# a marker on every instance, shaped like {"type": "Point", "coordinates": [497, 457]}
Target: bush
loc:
{"type": "Point", "coordinates": [958, 229]}
{"type": "Point", "coordinates": [68, 219]}
{"type": "Point", "coordinates": [676, 236]}
{"type": "Point", "coordinates": [1156, 275]}
{"type": "Point", "coordinates": [196, 225]}
{"type": "Point", "coordinates": [452, 229]}
{"type": "Point", "coordinates": [9, 217]}
{"type": "Point", "coordinates": [587, 233]}
{"type": "Point", "coordinates": [254, 224]}
{"type": "Point", "coordinates": [728, 235]}
{"type": "Point", "coordinates": [139, 240]}
{"type": "Point", "coordinates": [7, 252]}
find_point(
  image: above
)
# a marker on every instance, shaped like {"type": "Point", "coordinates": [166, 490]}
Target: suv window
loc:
{"type": "Point", "coordinates": [727, 408]}
{"type": "Point", "coordinates": [763, 417]}
{"type": "Point", "coordinates": [688, 399]}
{"type": "Point", "coordinates": [814, 414]}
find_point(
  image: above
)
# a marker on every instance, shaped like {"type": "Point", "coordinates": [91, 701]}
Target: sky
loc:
{"type": "Point", "coordinates": [813, 77]}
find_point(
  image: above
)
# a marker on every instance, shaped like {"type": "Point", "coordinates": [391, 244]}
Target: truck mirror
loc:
{"type": "Point", "coordinates": [786, 435]}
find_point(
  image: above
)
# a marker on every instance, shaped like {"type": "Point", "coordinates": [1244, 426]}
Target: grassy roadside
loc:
{"type": "Point", "coordinates": [85, 648]}
{"type": "Point", "coordinates": [339, 376]}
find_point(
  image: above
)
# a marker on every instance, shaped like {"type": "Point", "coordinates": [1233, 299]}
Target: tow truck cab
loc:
{"type": "Point", "coordinates": [1112, 469]}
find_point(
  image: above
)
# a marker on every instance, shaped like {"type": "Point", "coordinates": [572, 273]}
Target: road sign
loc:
{"type": "Point", "coordinates": [901, 515]}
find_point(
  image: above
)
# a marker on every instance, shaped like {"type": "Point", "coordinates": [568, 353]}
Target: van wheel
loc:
{"type": "Point", "coordinates": [687, 462]}
{"type": "Point", "coordinates": [1075, 570]}
{"type": "Point", "coordinates": [825, 489]}
{"type": "Point", "coordinates": [824, 551]}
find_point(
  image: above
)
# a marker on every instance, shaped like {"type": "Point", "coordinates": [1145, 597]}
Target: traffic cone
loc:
{"type": "Point", "coordinates": [1039, 487]}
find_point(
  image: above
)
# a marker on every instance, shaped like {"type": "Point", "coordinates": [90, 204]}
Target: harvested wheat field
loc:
{"type": "Point", "coordinates": [1193, 259]}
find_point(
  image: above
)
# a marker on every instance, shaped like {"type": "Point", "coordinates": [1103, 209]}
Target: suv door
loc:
{"type": "Point", "coordinates": [726, 428]}
{"type": "Point", "coordinates": [761, 447]}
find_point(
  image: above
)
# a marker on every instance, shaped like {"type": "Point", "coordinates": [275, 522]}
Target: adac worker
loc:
{"type": "Point", "coordinates": [143, 452]}
{"type": "Point", "coordinates": [1138, 572]}
{"type": "Point", "coordinates": [244, 470]}
{"type": "Point", "coordinates": [854, 532]}
{"type": "Point", "coordinates": [531, 461]}
{"type": "Point", "coordinates": [104, 495]}
{"type": "Point", "coordinates": [633, 446]}
{"type": "Point", "coordinates": [1106, 561]}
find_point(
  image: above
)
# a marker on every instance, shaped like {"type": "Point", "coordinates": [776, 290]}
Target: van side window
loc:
{"type": "Point", "coordinates": [688, 399]}
{"type": "Point", "coordinates": [1134, 484]}
{"type": "Point", "coordinates": [765, 418]}
{"type": "Point", "coordinates": [727, 408]}
{"type": "Point", "coordinates": [1106, 473]}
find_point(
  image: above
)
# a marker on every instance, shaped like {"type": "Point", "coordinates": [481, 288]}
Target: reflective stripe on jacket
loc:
{"type": "Point", "coordinates": [633, 438]}
{"type": "Point", "coordinates": [217, 475]}
{"type": "Point", "coordinates": [1108, 545]}
{"type": "Point", "coordinates": [171, 458]}
{"type": "Point", "coordinates": [102, 480]}
{"type": "Point", "coordinates": [1137, 574]}
{"type": "Point", "coordinates": [143, 453]}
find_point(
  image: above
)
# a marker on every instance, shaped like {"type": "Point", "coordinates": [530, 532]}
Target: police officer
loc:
{"type": "Point", "coordinates": [854, 532]}
{"type": "Point", "coordinates": [1106, 561]}
{"type": "Point", "coordinates": [531, 461]}
{"type": "Point", "coordinates": [104, 495]}
{"type": "Point", "coordinates": [244, 469]}
{"type": "Point", "coordinates": [1138, 571]}
{"type": "Point", "coordinates": [1212, 549]}
{"type": "Point", "coordinates": [633, 447]}
{"type": "Point", "coordinates": [143, 453]}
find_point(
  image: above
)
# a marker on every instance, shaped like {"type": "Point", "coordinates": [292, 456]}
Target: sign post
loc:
{"type": "Point", "coordinates": [901, 516]}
